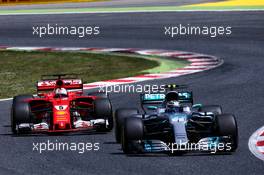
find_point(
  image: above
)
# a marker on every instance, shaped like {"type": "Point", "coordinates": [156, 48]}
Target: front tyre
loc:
{"type": "Point", "coordinates": [132, 135]}
{"type": "Point", "coordinates": [226, 125]}
{"type": "Point", "coordinates": [103, 109]}
{"type": "Point", "coordinates": [20, 112]}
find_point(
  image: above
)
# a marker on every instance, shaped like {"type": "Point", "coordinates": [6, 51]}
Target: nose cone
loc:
{"type": "Point", "coordinates": [62, 125]}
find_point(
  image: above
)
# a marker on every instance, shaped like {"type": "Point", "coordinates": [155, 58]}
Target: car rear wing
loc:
{"type": "Point", "coordinates": [158, 98]}
{"type": "Point", "coordinates": [59, 76]}
{"type": "Point", "coordinates": [69, 84]}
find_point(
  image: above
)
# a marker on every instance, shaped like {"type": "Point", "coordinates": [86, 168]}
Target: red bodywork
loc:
{"type": "Point", "coordinates": [59, 109]}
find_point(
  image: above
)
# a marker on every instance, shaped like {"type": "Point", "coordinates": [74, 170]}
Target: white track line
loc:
{"type": "Point", "coordinates": [6, 99]}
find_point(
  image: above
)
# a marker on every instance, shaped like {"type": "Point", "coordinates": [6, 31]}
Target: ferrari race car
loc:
{"type": "Point", "coordinates": [60, 106]}
{"type": "Point", "coordinates": [171, 123]}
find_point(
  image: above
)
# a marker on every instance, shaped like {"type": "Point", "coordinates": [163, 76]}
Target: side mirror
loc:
{"type": "Point", "coordinates": [197, 106]}
{"type": "Point", "coordinates": [40, 94]}
{"type": "Point", "coordinates": [152, 108]}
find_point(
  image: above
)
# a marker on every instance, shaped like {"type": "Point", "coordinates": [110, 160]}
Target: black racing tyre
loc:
{"type": "Point", "coordinates": [132, 134]}
{"type": "Point", "coordinates": [98, 94]}
{"type": "Point", "coordinates": [226, 125]}
{"type": "Point", "coordinates": [20, 111]}
{"type": "Point", "coordinates": [120, 115]}
{"type": "Point", "coordinates": [103, 109]}
{"type": "Point", "coordinates": [216, 109]}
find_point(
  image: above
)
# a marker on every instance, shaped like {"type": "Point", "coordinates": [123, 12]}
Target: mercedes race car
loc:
{"type": "Point", "coordinates": [61, 106]}
{"type": "Point", "coordinates": [172, 123]}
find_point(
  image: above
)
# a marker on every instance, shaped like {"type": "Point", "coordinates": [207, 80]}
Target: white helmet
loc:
{"type": "Point", "coordinates": [173, 104]}
{"type": "Point", "coordinates": [61, 91]}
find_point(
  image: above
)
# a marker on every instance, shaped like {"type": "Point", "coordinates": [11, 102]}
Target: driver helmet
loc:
{"type": "Point", "coordinates": [61, 91]}
{"type": "Point", "coordinates": [173, 104]}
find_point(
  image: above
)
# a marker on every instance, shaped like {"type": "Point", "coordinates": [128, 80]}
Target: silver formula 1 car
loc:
{"type": "Point", "coordinates": [172, 123]}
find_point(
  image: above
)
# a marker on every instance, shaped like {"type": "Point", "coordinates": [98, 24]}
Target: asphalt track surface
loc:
{"type": "Point", "coordinates": [109, 3]}
{"type": "Point", "coordinates": [236, 85]}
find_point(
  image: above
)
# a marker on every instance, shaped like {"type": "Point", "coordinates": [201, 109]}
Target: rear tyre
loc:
{"type": "Point", "coordinates": [133, 131]}
{"type": "Point", "coordinates": [120, 115]}
{"type": "Point", "coordinates": [216, 109]}
{"type": "Point", "coordinates": [226, 125]}
{"type": "Point", "coordinates": [103, 109]}
{"type": "Point", "coordinates": [20, 112]}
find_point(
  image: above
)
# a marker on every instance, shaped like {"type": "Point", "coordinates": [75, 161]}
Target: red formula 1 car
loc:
{"type": "Point", "coordinates": [60, 106]}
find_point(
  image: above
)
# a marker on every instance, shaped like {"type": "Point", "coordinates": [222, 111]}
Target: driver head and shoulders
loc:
{"type": "Point", "coordinates": [172, 103]}
{"type": "Point", "coordinates": [61, 92]}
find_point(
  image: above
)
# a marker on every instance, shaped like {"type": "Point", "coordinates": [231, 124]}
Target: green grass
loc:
{"type": "Point", "coordinates": [19, 70]}
{"type": "Point", "coordinates": [166, 64]}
